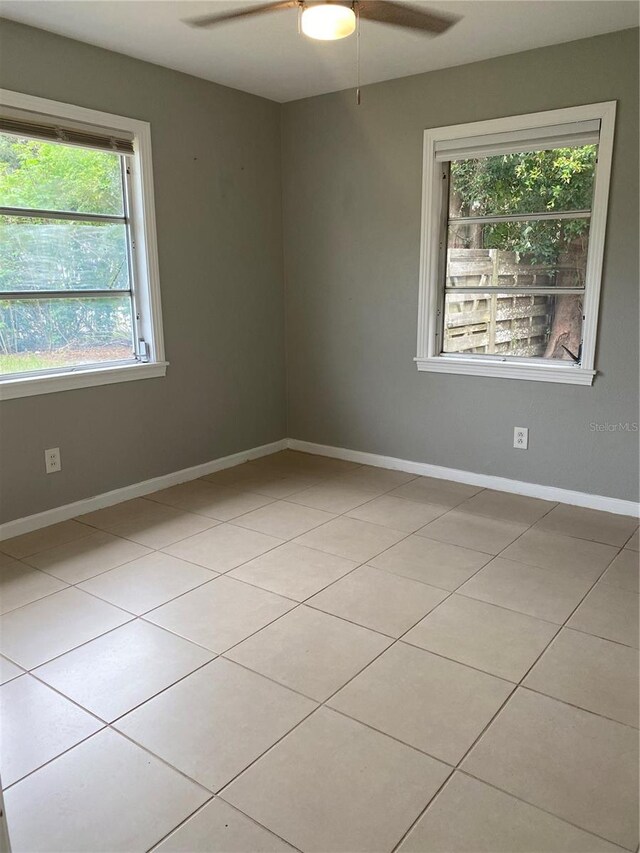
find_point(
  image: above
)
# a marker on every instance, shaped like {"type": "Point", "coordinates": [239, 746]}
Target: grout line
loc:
{"type": "Point", "coordinates": [161, 760]}
{"type": "Point", "coordinates": [419, 817]}
{"type": "Point", "coordinates": [539, 808]}
{"type": "Point", "coordinates": [73, 648]}
{"type": "Point", "coordinates": [599, 637]}
{"type": "Point", "coordinates": [212, 799]}
{"type": "Point", "coordinates": [327, 478]}
{"type": "Point", "coordinates": [185, 820]}
{"type": "Point", "coordinates": [104, 571]}
{"type": "Point", "coordinates": [577, 707]}
{"type": "Point", "coordinates": [102, 728]}
{"type": "Point", "coordinates": [520, 683]}
{"type": "Point", "coordinates": [477, 739]}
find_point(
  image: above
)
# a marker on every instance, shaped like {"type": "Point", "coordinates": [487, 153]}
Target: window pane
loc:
{"type": "Point", "coordinates": [47, 254]}
{"type": "Point", "coordinates": [538, 253]}
{"type": "Point", "coordinates": [506, 324]}
{"type": "Point", "coordinates": [36, 334]}
{"type": "Point", "coordinates": [529, 182]}
{"type": "Point", "coordinates": [49, 176]}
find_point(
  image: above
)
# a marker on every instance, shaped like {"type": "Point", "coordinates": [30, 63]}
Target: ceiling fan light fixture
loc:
{"type": "Point", "coordinates": [328, 21]}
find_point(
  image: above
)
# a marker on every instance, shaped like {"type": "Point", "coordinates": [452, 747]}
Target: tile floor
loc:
{"type": "Point", "coordinates": [302, 653]}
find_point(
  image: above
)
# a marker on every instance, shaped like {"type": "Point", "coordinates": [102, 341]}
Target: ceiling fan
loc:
{"type": "Point", "coordinates": [328, 20]}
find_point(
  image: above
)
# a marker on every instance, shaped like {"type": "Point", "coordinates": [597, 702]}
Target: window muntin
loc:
{"type": "Point", "coordinates": [517, 232]}
{"type": "Point", "coordinates": [65, 243]}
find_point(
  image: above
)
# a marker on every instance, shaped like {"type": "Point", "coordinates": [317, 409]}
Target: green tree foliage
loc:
{"type": "Point", "coordinates": [48, 176]}
{"type": "Point", "coordinates": [530, 182]}
{"type": "Point", "coordinates": [44, 254]}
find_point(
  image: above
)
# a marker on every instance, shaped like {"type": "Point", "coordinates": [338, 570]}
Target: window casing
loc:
{"type": "Point", "coordinates": [119, 279]}
{"type": "Point", "coordinates": [485, 309]}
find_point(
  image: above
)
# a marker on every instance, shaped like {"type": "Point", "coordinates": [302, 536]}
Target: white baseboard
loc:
{"type": "Point", "coordinates": [135, 490]}
{"type": "Point", "coordinates": [486, 481]}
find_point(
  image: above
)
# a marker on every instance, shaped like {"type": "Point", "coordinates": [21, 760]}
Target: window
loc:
{"type": "Point", "coordinates": [514, 215]}
{"type": "Point", "coordinates": [79, 292]}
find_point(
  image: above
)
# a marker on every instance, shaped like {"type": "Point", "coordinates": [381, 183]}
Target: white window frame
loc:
{"type": "Point", "coordinates": [144, 259]}
{"type": "Point", "coordinates": [429, 358]}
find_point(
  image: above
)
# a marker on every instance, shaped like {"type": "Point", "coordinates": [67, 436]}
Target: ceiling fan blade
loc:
{"type": "Point", "coordinates": [404, 16]}
{"type": "Point", "coordinates": [210, 20]}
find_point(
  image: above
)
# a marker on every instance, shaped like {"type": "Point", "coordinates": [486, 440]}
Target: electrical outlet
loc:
{"type": "Point", "coordinates": [521, 438]}
{"type": "Point", "coordinates": [52, 461]}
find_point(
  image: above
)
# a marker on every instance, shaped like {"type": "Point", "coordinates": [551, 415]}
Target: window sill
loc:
{"type": "Point", "coordinates": [566, 373]}
{"type": "Point", "coordinates": [87, 378]}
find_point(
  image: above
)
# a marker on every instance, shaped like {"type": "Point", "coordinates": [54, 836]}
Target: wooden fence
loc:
{"type": "Point", "coordinates": [499, 323]}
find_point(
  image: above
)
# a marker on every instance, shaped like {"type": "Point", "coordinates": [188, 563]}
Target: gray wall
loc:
{"type": "Point", "coordinates": [352, 187]}
{"type": "Point", "coordinates": [218, 203]}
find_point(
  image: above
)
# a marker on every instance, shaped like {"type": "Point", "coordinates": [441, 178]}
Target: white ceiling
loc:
{"type": "Point", "coordinates": [266, 56]}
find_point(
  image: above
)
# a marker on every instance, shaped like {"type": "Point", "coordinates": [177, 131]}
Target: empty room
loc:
{"type": "Point", "coordinates": [319, 426]}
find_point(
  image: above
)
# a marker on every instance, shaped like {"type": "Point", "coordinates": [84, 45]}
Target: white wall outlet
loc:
{"type": "Point", "coordinates": [521, 438]}
{"type": "Point", "coordinates": [52, 461]}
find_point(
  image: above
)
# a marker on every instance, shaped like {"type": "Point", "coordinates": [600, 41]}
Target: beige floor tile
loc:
{"type": "Point", "coordinates": [20, 584]}
{"type": "Point", "coordinates": [36, 725]}
{"type": "Point", "coordinates": [289, 462]}
{"type": "Point", "coordinates": [481, 635]}
{"type": "Point", "coordinates": [148, 522]}
{"type": "Point", "coordinates": [282, 458]}
{"type": "Point", "coordinates": [480, 533]}
{"type": "Point", "coordinates": [379, 600]}
{"type": "Point", "coordinates": [310, 652]}
{"type": "Point", "coordinates": [506, 506]}
{"type": "Point", "coordinates": [434, 491]}
{"type": "Point", "coordinates": [48, 537]}
{"type": "Point", "coordinates": [214, 723]}
{"type": "Point", "coordinates": [424, 700]}
{"type": "Point", "coordinates": [352, 539]}
{"type": "Point", "coordinates": [334, 785]}
{"type": "Point", "coordinates": [293, 570]}
{"type": "Point", "coordinates": [398, 513]}
{"type": "Point", "coordinates": [162, 526]}
{"type": "Point", "coordinates": [221, 613]}
{"type": "Point", "coordinates": [277, 484]}
{"type": "Point", "coordinates": [542, 593]}
{"type": "Point", "coordinates": [610, 613]}
{"type": "Point", "coordinates": [551, 551]}
{"type": "Point", "coordinates": [5, 558]}
{"type": "Point", "coordinates": [590, 524]}
{"type": "Point", "coordinates": [78, 561]}
{"type": "Point", "coordinates": [295, 461]}
{"type": "Point", "coordinates": [333, 496]}
{"type": "Point", "coordinates": [468, 816]}
{"type": "Point", "coordinates": [283, 519]}
{"type": "Point", "coordinates": [114, 673]}
{"type": "Point", "coordinates": [624, 571]}
{"type": "Point", "coordinates": [56, 624]}
{"type": "Point", "coordinates": [148, 582]}
{"type": "Point", "coordinates": [219, 828]}
{"type": "Point", "coordinates": [378, 480]}
{"type": "Point", "coordinates": [8, 670]}
{"type": "Point", "coordinates": [223, 547]}
{"type": "Point", "coordinates": [580, 767]}
{"type": "Point", "coordinates": [110, 516]}
{"type": "Point", "coordinates": [115, 798]}
{"type": "Point", "coordinates": [634, 541]}
{"type": "Point", "coordinates": [236, 477]}
{"type": "Point", "coordinates": [220, 502]}
{"type": "Point", "coordinates": [594, 674]}
{"type": "Point", "coordinates": [435, 563]}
